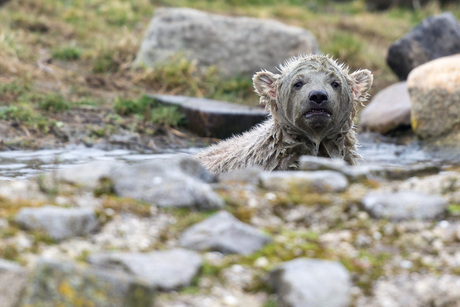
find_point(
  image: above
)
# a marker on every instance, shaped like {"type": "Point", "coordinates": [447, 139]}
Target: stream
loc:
{"type": "Point", "coordinates": [23, 164]}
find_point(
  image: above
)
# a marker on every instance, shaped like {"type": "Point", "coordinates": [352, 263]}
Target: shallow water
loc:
{"type": "Point", "coordinates": [22, 164]}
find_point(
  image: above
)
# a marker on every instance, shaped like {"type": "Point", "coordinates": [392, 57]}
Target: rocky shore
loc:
{"type": "Point", "coordinates": [165, 232]}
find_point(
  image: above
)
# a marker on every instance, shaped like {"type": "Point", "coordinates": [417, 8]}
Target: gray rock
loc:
{"type": "Point", "coordinates": [166, 270]}
{"type": "Point", "coordinates": [311, 282]}
{"type": "Point", "coordinates": [55, 283]}
{"type": "Point", "coordinates": [435, 91]}
{"type": "Point", "coordinates": [59, 223]}
{"type": "Point", "coordinates": [87, 174]}
{"type": "Point", "coordinates": [212, 118]}
{"type": "Point", "coordinates": [437, 36]}
{"type": "Point", "coordinates": [415, 290]}
{"type": "Point", "coordinates": [405, 205]}
{"type": "Point", "coordinates": [168, 181]}
{"type": "Point", "coordinates": [236, 45]}
{"type": "Point", "coordinates": [223, 232]}
{"type": "Point", "coordinates": [367, 171]}
{"type": "Point", "coordinates": [317, 181]}
{"type": "Point", "coordinates": [313, 163]}
{"type": "Point", "coordinates": [244, 175]}
{"type": "Point", "coordinates": [388, 110]}
{"type": "Point", "coordinates": [13, 279]}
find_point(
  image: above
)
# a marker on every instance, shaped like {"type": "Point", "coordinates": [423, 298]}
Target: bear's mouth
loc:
{"type": "Point", "coordinates": [317, 112]}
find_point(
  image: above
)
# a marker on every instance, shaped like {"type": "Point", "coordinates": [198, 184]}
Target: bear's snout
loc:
{"type": "Point", "coordinates": [318, 97]}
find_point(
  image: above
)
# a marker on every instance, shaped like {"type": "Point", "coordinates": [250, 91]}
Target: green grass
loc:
{"type": "Point", "coordinates": [67, 53]}
{"type": "Point", "coordinates": [149, 110]}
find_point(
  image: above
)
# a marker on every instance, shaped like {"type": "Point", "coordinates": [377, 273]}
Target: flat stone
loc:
{"type": "Point", "coordinates": [235, 45]}
{"type": "Point", "coordinates": [317, 181]}
{"type": "Point", "coordinates": [58, 283]}
{"type": "Point", "coordinates": [311, 282]}
{"type": "Point", "coordinates": [59, 223]}
{"type": "Point", "coordinates": [314, 163]}
{"type": "Point", "coordinates": [165, 270]}
{"type": "Point", "coordinates": [437, 36]}
{"type": "Point", "coordinates": [435, 91]}
{"type": "Point", "coordinates": [404, 205]}
{"type": "Point", "coordinates": [13, 279]}
{"type": "Point", "coordinates": [168, 181]}
{"type": "Point", "coordinates": [224, 233]}
{"type": "Point", "coordinates": [388, 110]}
{"type": "Point", "coordinates": [212, 118]}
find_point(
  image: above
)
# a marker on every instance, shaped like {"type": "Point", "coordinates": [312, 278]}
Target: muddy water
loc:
{"type": "Point", "coordinates": [25, 164]}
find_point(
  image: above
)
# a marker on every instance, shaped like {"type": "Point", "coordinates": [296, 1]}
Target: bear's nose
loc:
{"type": "Point", "coordinates": [318, 97]}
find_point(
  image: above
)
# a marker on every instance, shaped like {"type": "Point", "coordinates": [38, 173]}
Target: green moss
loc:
{"type": "Point", "coordinates": [68, 53]}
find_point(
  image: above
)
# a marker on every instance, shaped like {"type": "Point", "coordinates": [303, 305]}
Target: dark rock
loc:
{"type": "Point", "coordinates": [168, 181]}
{"type": "Point", "coordinates": [55, 283]}
{"type": "Point", "coordinates": [236, 45]}
{"type": "Point", "coordinates": [318, 181]}
{"type": "Point", "coordinates": [388, 110]}
{"type": "Point", "coordinates": [166, 270]}
{"type": "Point", "coordinates": [437, 36]}
{"type": "Point", "coordinates": [223, 232]}
{"type": "Point", "coordinates": [212, 118]}
{"type": "Point", "coordinates": [13, 279]}
{"type": "Point", "coordinates": [59, 223]}
{"type": "Point", "coordinates": [404, 205]}
{"type": "Point", "coordinates": [311, 282]}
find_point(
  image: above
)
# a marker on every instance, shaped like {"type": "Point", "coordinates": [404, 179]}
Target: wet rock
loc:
{"type": "Point", "coordinates": [13, 278]}
{"type": "Point", "coordinates": [223, 232]}
{"type": "Point", "coordinates": [311, 282]}
{"type": "Point", "coordinates": [405, 205]}
{"type": "Point", "coordinates": [168, 181]}
{"type": "Point", "coordinates": [55, 283]}
{"type": "Point", "coordinates": [318, 181]}
{"type": "Point", "coordinates": [247, 175]}
{"type": "Point", "coordinates": [415, 290]}
{"type": "Point", "coordinates": [437, 36]}
{"type": "Point", "coordinates": [435, 91]}
{"type": "Point", "coordinates": [86, 174]}
{"type": "Point", "coordinates": [313, 163]}
{"type": "Point", "coordinates": [388, 110]}
{"type": "Point", "coordinates": [212, 118]}
{"type": "Point", "coordinates": [369, 170]}
{"type": "Point", "coordinates": [166, 270]}
{"type": "Point", "coordinates": [59, 223]}
{"type": "Point", "coordinates": [236, 45]}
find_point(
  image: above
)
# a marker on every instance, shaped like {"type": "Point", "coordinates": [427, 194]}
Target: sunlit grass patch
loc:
{"type": "Point", "coordinates": [69, 53]}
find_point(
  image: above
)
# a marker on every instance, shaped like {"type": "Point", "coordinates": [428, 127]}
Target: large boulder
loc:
{"type": "Point", "coordinates": [177, 180]}
{"type": "Point", "coordinates": [435, 93]}
{"type": "Point", "coordinates": [437, 36]}
{"type": "Point", "coordinates": [388, 110]}
{"type": "Point", "coordinates": [236, 45]}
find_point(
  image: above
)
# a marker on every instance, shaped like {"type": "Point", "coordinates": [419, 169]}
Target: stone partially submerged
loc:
{"type": "Point", "coordinates": [236, 45]}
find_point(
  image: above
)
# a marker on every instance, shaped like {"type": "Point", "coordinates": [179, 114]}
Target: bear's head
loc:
{"type": "Point", "coordinates": [313, 96]}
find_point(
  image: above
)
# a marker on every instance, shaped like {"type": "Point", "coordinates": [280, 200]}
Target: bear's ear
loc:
{"type": "Point", "coordinates": [362, 82]}
{"type": "Point", "coordinates": [264, 83]}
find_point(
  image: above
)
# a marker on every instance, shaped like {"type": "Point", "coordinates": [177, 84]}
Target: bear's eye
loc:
{"type": "Point", "coordinates": [335, 85]}
{"type": "Point", "coordinates": [298, 85]}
